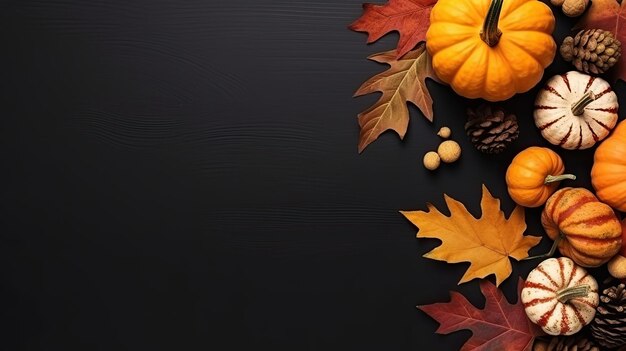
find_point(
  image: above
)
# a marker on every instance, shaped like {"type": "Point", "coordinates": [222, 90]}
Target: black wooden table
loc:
{"type": "Point", "coordinates": [184, 175]}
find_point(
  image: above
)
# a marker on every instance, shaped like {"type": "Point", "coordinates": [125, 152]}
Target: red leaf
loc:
{"type": "Point", "coordinates": [499, 326]}
{"type": "Point", "coordinates": [608, 15]}
{"type": "Point", "coordinates": [411, 18]}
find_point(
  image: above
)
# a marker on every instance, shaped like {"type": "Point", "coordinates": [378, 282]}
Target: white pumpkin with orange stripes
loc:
{"type": "Point", "coordinates": [575, 110]}
{"type": "Point", "coordinates": [560, 297]}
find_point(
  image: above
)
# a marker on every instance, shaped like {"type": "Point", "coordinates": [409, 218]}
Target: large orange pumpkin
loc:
{"type": "Point", "coordinates": [490, 49]}
{"type": "Point", "coordinates": [608, 174]}
{"type": "Point", "coordinates": [587, 230]}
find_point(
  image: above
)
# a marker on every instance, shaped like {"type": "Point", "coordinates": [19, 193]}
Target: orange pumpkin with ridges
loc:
{"type": "Point", "coordinates": [534, 175]}
{"type": "Point", "coordinates": [587, 230]}
{"type": "Point", "coordinates": [609, 167]}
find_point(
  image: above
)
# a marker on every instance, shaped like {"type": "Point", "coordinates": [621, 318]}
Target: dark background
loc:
{"type": "Point", "coordinates": [183, 175]}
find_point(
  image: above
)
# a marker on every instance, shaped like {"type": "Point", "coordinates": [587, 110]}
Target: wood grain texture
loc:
{"type": "Point", "coordinates": [183, 175]}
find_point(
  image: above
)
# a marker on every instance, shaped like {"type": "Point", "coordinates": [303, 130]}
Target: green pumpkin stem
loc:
{"type": "Point", "coordinates": [550, 253]}
{"type": "Point", "coordinates": [552, 179]}
{"type": "Point", "coordinates": [573, 292]}
{"type": "Point", "coordinates": [578, 108]}
{"type": "Point", "coordinates": [490, 33]}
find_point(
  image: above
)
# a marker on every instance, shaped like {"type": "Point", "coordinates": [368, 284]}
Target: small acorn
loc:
{"type": "Point", "coordinates": [449, 151]}
{"type": "Point", "coordinates": [432, 160]}
{"type": "Point", "coordinates": [444, 132]}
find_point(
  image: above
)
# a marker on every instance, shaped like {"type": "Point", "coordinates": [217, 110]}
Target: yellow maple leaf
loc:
{"type": "Point", "coordinates": [486, 242]}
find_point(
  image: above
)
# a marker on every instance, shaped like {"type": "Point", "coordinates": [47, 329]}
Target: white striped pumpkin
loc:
{"type": "Point", "coordinates": [562, 124]}
{"type": "Point", "coordinates": [560, 296]}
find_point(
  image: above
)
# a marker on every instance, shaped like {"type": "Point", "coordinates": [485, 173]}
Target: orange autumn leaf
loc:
{"type": "Point", "coordinates": [486, 242]}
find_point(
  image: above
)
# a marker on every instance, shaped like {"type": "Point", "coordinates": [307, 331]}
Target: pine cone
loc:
{"type": "Point", "coordinates": [592, 51]}
{"type": "Point", "coordinates": [575, 342]}
{"type": "Point", "coordinates": [491, 129]}
{"type": "Point", "coordinates": [609, 326]}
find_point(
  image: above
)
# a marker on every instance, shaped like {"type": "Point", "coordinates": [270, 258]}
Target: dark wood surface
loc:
{"type": "Point", "coordinates": [183, 175]}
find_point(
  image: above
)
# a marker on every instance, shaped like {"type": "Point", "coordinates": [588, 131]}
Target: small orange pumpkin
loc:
{"type": "Point", "coordinates": [585, 229]}
{"type": "Point", "coordinates": [609, 167]}
{"type": "Point", "coordinates": [534, 175]}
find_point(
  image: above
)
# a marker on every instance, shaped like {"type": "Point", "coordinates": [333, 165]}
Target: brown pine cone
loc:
{"type": "Point", "coordinates": [609, 326]}
{"type": "Point", "coordinates": [575, 342]}
{"type": "Point", "coordinates": [491, 129]}
{"type": "Point", "coordinates": [592, 51]}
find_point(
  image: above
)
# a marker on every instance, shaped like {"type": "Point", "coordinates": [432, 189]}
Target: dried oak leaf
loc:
{"type": "Point", "coordinates": [486, 242]}
{"type": "Point", "coordinates": [609, 15]}
{"type": "Point", "coordinates": [404, 81]}
{"type": "Point", "coordinates": [410, 18]}
{"type": "Point", "coordinates": [499, 326]}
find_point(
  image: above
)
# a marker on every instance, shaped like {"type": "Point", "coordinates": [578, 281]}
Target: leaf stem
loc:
{"type": "Point", "coordinates": [550, 253]}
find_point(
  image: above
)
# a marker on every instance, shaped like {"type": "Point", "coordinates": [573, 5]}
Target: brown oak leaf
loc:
{"type": "Point", "coordinates": [404, 81]}
{"type": "Point", "coordinates": [499, 326]}
{"type": "Point", "coordinates": [410, 18]}
{"type": "Point", "coordinates": [609, 15]}
{"type": "Point", "coordinates": [486, 242]}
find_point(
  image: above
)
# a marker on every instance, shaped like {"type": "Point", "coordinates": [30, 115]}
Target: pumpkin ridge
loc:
{"type": "Point", "coordinates": [543, 320]}
{"type": "Point", "coordinates": [547, 125]}
{"type": "Point", "coordinates": [462, 67]}
{"type": "Point", "coordinates": [523, 49]}
{"type": "Point", "coordinates": [539, 286]}
{"type": "Point", "coordinates": [601, 124]}
{"type": "Point", "coordinates": [591, 80]}
{"type": "Point", "coordinates": [545, 107]}
{"type": "Point", "coordinates": [540, 269]}
{"type": "Point", "coordinates": [508, 65]}
{"type": "Point", "coordinates": [564, 139]}
{"type": "Point", "coordinates": [566, 81]}
{"type": "Point", "coordinates": [564, 320]}
{"type": "Point", "coordinates": [557, 199]}
{"type": "Point", "coordinates": [593, 134]}
{"type": "Point", "coordinates": [588, 240]}
{"type": "Point", "coordinates": [580, 317]}
{"type": "Point", "coordinates": [570, 210]}
{"type": "Point", "coordinates": [561, 272]}
{"type": "Point", "coordinates": [585, 302]}
{"type": "Point", "coordinates": [605, 91]}
{"type": "Point", "coordinates": [580, 136]}
{"type": "Point", "coordinates": [572, 274]}
{"type": "Point", "coordinates": [553, 91]}
{"type": "Point", "coordinates": [508, 11]}
{"type": "Point", "coordinates": [538, 301]}
{"type": "Point", "coordinates": [611, 110]}
{"type": "Point", "coordinates": [595, 221]}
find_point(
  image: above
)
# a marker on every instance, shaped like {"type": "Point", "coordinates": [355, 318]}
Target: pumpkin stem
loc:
{"type": "Point", "coordinates": [490, 33]}
{"type": "Point", "coordinates": [550, 253]}
{"type": "Point", "coordinates": [573, 292]}
{"type": "Point", "coordinates": [552, 179]}
{"type": "Point", "coordinates": [578, 108]}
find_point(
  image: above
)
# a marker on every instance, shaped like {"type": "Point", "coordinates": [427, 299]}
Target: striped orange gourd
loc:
{"type": "Point", "coordinates": [560, 297]}
{"type": "Point", "coordinates": [588, 230]}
